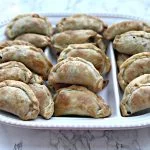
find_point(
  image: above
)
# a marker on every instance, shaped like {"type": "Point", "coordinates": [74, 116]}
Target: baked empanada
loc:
{"type": "Point", "coordinates": [88, 52]}
{"type": "Point", "coordinates": [29, 56]}
{"type": "Point", "coordinates": [37, 40]}
{"type": "Point", "coordinates": [17, 98]}
{"type": "Point", "coordinates": [45, 100]}
{"type": "Point", "coordinates": [60, 41]}
{"type": "Point", "coordinates": [15, 42]}
{"type": "Point", "coordinates": [78, 100]}
{"type": "Point", "coordinates": [132, 42]}
{"type": "Point", "coordinates": [120, 57]}
{"type": "Point", "coordinates": [125, 26]}
{"type": "Point", "coordinates": [28, 23]}
{"type": "Point", "coordinates": [80, 21]}
{"type": "Point", "coordinates": [13, 70]}
{"type": "Point", "coordinates": [133, 67]}
{"type": "Point", "coordinates": [136, 96]}
{"type": "Point", "coordinates": [76, 71]}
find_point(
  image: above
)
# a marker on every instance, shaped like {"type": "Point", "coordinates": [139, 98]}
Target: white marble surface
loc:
{"type": "Point", "coordinates": [12, 138]}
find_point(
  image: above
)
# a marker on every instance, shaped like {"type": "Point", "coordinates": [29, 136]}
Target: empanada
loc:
{"type": "Point", "coordinates": [76, 71]}
{"type": "Point", "coordinates": [29, 56]}
{"type": "Point", "coordinates": [80, 21]}
{"type": "Point", "coordinates": [45, 100]}
{"type": "Point", "coordinates": [125, 26]}
{"type": "Point", "coordinates": [17, 98]}
{"type": "Point", "coordinates": [78, 100]}
{"type": "Point", "coordinates": [132, 42]}
{"type": "Point", "coordinates": [120, 57]}
{"type": "Point", "coordinates": [60, 41]}
{"type": "Point", "coordinates": [133, 67]}
{"type": "Point", "coordinates": [15, 42]}
{"type": "Point", "coordinates": [13, 70]}
{"type": "Point", "coordinates": [88, 52]}
{"type": "Point", "coordinates": [136, 96]}
{"type": "Point", "coordinates": [28, 23]}
{"type": "Point", "coordinates": [37, 40]}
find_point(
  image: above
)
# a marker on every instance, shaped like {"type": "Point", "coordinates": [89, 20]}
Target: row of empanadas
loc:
{"type": "Point", "coordinates": [32, 28]}
{"type": "Point", "coordinates": [30, 56]}
{"type": "Point", "coordinates": [80, 64]}
{"type": "Point", "coordinates": [88, 52]}
{"type": "Point", "coordinates": [25, 101]}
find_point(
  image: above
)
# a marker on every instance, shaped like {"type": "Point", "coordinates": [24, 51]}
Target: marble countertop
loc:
{"type": "Point", "coordinates": [13, 138]}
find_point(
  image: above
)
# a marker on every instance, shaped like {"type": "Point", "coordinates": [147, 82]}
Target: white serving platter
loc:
{"type": "Point", "coordinates": [111, 94]}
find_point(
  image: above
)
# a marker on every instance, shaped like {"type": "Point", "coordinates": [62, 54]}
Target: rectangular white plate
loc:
{"type": "Point", "coordinates": [110, 94]}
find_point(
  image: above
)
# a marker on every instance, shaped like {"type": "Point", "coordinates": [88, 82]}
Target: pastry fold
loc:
{"type": "Point", "coordinates": [28, 23]}
{"type": "Point", "coordinates": [136, 96]}
{"type": "Point", "coordinates": [78, 100]}
{"type": "Point", "coordinates": [76, 71]}
{"type": "Point", "coordinates": [88, 52]}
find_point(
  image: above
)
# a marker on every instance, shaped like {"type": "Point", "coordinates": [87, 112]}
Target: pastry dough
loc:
{"type": "Point", "coordinates": [76, 71]}
{"type": "Point", "coordinates": [136, 96]}
{"type": "Point", "coordinates": [17, 98]}
{"type": "Point", "coordinates": [29, 56]}
{"type": "Point", "coordinates": [78, 100]}
{"type": "Point", "coordinates": [37, 40]}
{"type": "Point", "coordinates": [88, 52]}
{"type": "Point", "coordinates": [28, 23]}
{"type": "Point", "coordinates": [125, 26]}
{"type": "Point", "coordinates": [45, 100]}
{"type": "Point", "coordinates": [132, 42]}
{"type": "Point", "coordinates": [133, 67]}
{"type": "Point", "coordinates": [60, 41]}
{"type": "Point", "coordinates": [80, 21]}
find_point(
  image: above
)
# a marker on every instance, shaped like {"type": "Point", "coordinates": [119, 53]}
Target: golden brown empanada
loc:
{"type": "Point", "coordinates": [136, 96]}
{"type": "Point", "coordinates": [88, 52]}
{"type": "Point", "coordinates": [76, 71]}
{"type": "Point", "coordinates": [17, 98]}
{"type": "Point", "coordinates": [133, 67]}
{"type": "Point", "coordinates": [15, 42]}
{"type": "Point", "coordinates": [28, 23]}
{"type": "Point", "coordinates": [29, 56]}
{"type": "Point", "coordinates": [125, 26]}
{"type": "Point", "coordinates": [60, 41]}
{"type": "Point", "coordinates": [132, 42]}
{"type": "Point", "coordinates": [13, 70]}
{"type": "Point", "coordinates": [40, 41]}
{"type": "Point", "coordinates": [78, 100]}
{"type": "Point", "coordinates": [81, 21]}
{"type": "Point", "coordinates": [45, 100]}
{"type": "Point", "coordinates": [120, 57]}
